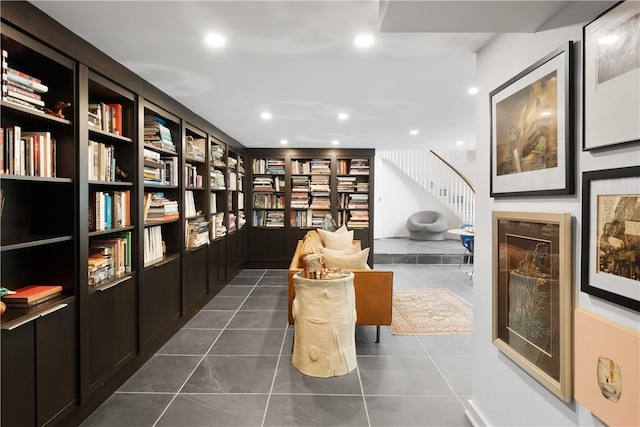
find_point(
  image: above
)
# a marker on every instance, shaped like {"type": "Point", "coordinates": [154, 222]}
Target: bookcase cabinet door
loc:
{"type": "Point", "coordinates": [112, 330]}
{"type": "Point", "coordinates": [267, 245]}
{"type": "Point", "coordinates": [195, 274]}
{"type": "Point", "coordinates": [39, 369]}
{"type": "Point", "coordinates": [18, 376]}
{"type": "Point", "coordinates": [160, 299]}
{"type": "Point", "coordinates": [56, 363]}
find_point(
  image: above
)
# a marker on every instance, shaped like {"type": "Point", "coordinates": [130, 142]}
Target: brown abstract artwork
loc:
{"type": "Point", "coordinates": [527, 128]}
{"type": "Point", "coordinates": [618, 244]}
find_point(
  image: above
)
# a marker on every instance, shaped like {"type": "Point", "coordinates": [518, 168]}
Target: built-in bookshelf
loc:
{"type": "Point", "coordinates": [268, 188]}
{"type": "Point", "coordinates": [108, 144]}
{"type": "Point", "coordinates": [38, 178]}
{"type": "Point", "coordinates": [292, 190]}
{"type": "Point", "coordinates": [217, 189]}
{"type": "Point", "coordinates": [353, 192]}
{"type": "Point", "coordinates": [310, 192]}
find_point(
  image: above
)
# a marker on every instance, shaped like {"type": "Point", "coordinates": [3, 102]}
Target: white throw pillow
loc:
{"type": "Point", "coordinates": [339, 259]}
{"type": "Point", "coordinates": [338, 241]}
{"type": "Point", "coordinates": [354, 249]}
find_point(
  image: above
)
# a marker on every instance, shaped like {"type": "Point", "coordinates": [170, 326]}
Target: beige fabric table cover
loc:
{"type": "Point", "coordinates": [324, 312]}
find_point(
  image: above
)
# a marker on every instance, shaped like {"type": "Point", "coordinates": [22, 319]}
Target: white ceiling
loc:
{"type": "Point", "coordinates": [297, 60]}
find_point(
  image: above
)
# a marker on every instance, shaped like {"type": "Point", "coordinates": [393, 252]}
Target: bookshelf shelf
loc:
{"type": "Point", "coordinates": [118, 184]}
{"type": "Point", "coordinates": [116, 281]}
{"type": "Point", "coordinates": [166, 259]}
{"type": "Point", "coordinates": [93, 132]}
{"type": "Point", "coordinates": [40, 179]}
{"type": "Point", "coordinates": [15, 317]}
{"type": "Point", "coordinates": [22, 242]}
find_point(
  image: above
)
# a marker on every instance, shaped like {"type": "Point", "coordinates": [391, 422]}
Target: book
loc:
{"type": "Point", "coordinates": [31, 295]}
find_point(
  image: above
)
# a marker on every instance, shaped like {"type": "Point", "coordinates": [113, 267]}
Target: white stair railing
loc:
{"type": "Point", "coordinates": [438, 177]}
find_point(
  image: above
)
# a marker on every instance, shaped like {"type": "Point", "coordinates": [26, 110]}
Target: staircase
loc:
{"type": "Point", "coordinates": [438, 177]}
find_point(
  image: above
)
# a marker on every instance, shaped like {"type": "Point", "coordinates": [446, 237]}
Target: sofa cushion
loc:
{"type": "Point", "coordinates": [335, 259]}
{"type": "Point", "coordinates": [336, 240]}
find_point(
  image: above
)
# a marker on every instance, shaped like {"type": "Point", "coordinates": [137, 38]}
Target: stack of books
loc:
{"type": "Point", "coordinates": [158, 208]}
{"type": "Point", "coordinates": [197, 232]}
{"type": "Point", "coordinates": [217, 179]}
{"type": "Point", "coordinates": [21, 88]}
{"type": "Point", "coordinates": [29, 296]}
{"type": "Point", "coordinates": [157, 134]}
{"type": "Point", "coordinates": [110, 258]}
{"type": "Point", "coordinates": [359, 167]}
{"type": "Point", "coordinates": [153, 168]}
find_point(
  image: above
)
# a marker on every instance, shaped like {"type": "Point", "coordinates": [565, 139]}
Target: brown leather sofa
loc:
{"type": "Point", "coordinates": [373, 289]}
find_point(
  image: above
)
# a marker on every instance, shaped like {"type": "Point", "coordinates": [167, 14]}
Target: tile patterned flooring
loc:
{"type": "Point", "coordinates": [231, 366]}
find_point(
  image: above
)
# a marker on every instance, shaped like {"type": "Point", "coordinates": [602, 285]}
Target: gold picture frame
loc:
{"type": "Point", "coordinates": [532, 295]}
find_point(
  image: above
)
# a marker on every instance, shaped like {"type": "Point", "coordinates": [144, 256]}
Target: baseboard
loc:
{"type": "Point", "coordinates": [473, 415]}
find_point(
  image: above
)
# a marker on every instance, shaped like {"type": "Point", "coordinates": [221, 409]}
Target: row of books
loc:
{"type": "Point", "coordinates": [158, 169]}
{"type": "Point", "coordinates": [109, 258]}
{"type": "Point", "coordinates": [218, 228]}
{"type": "Point", "coordinates": [353, 167]}
{"type": "Point", "coordinates": [268, 201]}
{"type": "Point", "coordinates": [197, 232]}
{"type": "Point", "coordinates": [158, 208]}
{"type": "Point", "coordinates": [354, 218]}
{"type": "Point", "coordinates": [21, 88]}
{"type": "Point", "coordinates": [106, 117]}
{"type": "Point", "coordinates": [109, 210]}
{"type": "Point", "coordinates": [191, 176]}
{"type": "Point", "coordinates": [102, 162]}
{"type": "Point", "coordinates": [190, 210]}
{"type": "Point", "coordinates": [27, 153]}
{"type": "Point", "coordinates": [268, 166]}
{"type": "Point", "coordinates": [154, 248]}
{"type": "Point", "coordinates": [217, 180]}
{"type": "Point", "coordinates": [270, 219]}
{"type": "Point", "coordinates": [306, 167]}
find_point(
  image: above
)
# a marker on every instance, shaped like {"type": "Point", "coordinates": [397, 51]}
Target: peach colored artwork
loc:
{"type": "Point", "coordinates": [607, 369]}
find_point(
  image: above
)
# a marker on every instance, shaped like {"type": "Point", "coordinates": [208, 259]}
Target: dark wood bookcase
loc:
{"type": "Point", "coordinates": [39, 240]}
{"type": "Point", "coordinates": [311, 183]}
{"type": "Point", "coordinates": [162, 238]}
{"type": "Point", "coordinates": [108, 143]}
{"type": "Point", "coordinates": [195, 278]}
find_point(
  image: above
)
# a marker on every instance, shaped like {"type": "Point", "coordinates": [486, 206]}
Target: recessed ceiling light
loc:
{"type": "Point", "coordinates": [364, 40]}
{"type": "Point", "coordinates": [460, 143]}
{"type": "Point", "coordinates": [266, 115]}
{"type": "Point", "coordinates": [343, 116]}
{"type": "Point", "coordinates": [472, 90]}
{"type": "Point", "coordinates": [215, 40]}
{"type": "Point", "coordinates": [284, 142]}
{"type": "Point", "coordinates": [335, 142]}
{"type": "Point", "coordinates": [414, 132]}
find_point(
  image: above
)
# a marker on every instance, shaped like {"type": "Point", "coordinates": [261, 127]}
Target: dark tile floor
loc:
{"type": "Point", "coordinates": [231, 366]}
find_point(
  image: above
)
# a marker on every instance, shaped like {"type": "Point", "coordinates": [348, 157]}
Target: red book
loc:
{"type": "Point", "coordinates": [31, 295]}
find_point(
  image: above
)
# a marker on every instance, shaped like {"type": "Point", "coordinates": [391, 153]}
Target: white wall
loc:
{"type": "Point", "coordinates": [463, 160]}
{"type": "Point", "coordinates": [396, 198]}
{"type": "Point", "coordinates": [503, 394]}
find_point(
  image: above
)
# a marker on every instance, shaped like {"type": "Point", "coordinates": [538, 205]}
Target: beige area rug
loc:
{"type": "Point", "coordinates": [430, 311]}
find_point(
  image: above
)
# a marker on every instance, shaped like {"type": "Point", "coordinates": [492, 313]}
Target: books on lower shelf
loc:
{"type": "Point", "coordinates": [153, 245]}
{"type": "Point", "coordinates": [158, 208]}
{"type": "Point", "coordinates": [27, 153]}
{"type": "Point", "coordinates": [109, 258]}
{"type": "Point", "coordinates": [28, 296]}
{"type": "Point", "coordinates": [197, 232]}
{"type": "Point", "coordinates": [109, 210]}
{"type": "Point", "coordinates": [217, 227]}
{"type": "Point", "coordinates": [217, 180]}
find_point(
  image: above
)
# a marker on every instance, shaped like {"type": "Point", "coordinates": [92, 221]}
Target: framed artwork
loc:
{"type": "Point", "coordinates": [611, 235]}
{"type": "Point", "coordinates": [607, 369]}
{"type": "Point", "coordinates": [612, 77]}
{"type": "Point", "coordinates": [532, 130]}
{"type": "Point", "coordinates": [532, 294]}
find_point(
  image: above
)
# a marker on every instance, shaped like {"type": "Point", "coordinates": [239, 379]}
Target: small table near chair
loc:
{"type": "Point", "coordinates": [467, 234]}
